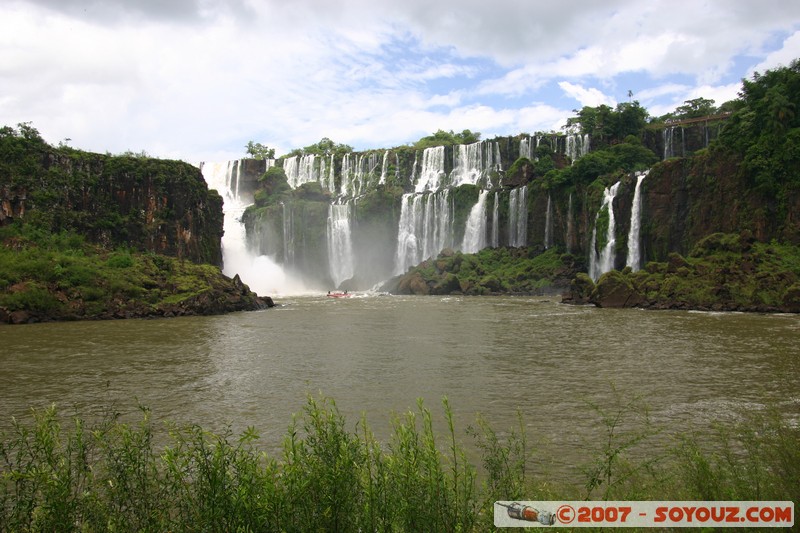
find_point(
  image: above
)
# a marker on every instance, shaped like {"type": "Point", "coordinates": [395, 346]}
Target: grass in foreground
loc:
{"type": "Point", "coordinates": [61, 474]}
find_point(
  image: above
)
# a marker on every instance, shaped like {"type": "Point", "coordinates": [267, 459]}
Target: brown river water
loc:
{"type": "Point", "coordinates": [375, 355]}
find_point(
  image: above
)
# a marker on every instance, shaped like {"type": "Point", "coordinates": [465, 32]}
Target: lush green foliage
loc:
{"type": "Point", "coordinates": [259, 151]}
{"type": "Point", "coordinates": [447, 138]}
{"type": "Point", "coordinates": [60, 474]}
{"type": "Point", "coordinates": [765, 129]}
{"type": "Point", "coordinates": [493, 271]}
{"type": "Point", "coordinates": [608, 126]}
{"type": "Point", "coordinates": [324, 147]}
{"type": "Point", "coordinates": [273, 187]}
{"type": "Point", "coordinates": [723, 272]}
{"type": "Point", "coordinates": [60, 276]}
{"type": "Point", "coordinates": [125, 200]}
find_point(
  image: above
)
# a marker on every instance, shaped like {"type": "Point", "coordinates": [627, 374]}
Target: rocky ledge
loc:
{"type": "Point", "coordinates": [220, 297]}
{"type": "Point", "coordinates": [724, 272]}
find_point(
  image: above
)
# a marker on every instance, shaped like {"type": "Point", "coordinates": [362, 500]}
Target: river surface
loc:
{"type": "Point", "coordinates": [376, 355]}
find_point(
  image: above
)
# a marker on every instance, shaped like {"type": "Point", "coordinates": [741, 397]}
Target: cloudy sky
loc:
{"type": "Point", "coordinates": [197, 79]}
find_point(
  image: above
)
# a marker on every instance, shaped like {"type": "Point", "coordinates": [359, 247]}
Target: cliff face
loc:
{"type": "Point", "coordinates": [687, 199]}
{"type": "Point", "coordinates": [683, 200]}
{"type": "Point", "coordinates": [146, 204]}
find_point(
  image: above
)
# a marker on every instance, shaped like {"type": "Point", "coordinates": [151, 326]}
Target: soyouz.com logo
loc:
{"type": "Point", "coordinates": [644, 514]}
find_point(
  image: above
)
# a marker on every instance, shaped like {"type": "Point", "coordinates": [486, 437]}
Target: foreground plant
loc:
{"type": "Point", "coordinates": [60, 474]}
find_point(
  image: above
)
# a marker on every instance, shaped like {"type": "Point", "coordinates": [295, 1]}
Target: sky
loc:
{"type": "Point", "coordinates": [197, 79]}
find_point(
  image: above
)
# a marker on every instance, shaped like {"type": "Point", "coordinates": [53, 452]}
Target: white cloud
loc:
{"type": "Point", "coordinates": [591, 97]}
{"type": "Point", "coordinates": [789, 51]}
{"type": "Point", "coordinates": [197, 79]}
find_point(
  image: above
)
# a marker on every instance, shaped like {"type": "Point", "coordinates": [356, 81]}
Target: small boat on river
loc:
{"type": "Point", "coordinates": [344, 294]}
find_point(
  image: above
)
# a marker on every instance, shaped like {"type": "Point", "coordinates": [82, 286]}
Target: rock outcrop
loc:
{"type": "Point", "coordinates": [137, 202]}
{"type": "Point", "coordinates": [725, 272]}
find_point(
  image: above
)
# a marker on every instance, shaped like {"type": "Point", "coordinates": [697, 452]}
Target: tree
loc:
{"type": "Point", "coordinates": [696, 108]}
{"type": "Point", "coordinates": [259, 151]}
{"type": "Point", "coordinates": [448, 138]}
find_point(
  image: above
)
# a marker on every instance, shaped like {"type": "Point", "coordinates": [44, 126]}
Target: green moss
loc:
{"type": "Point", "coordinates": [39, 273]}
{"type": "Point", "coordinates": [498, 270]}
{"type": "Point", "coordinates": [724, 272]}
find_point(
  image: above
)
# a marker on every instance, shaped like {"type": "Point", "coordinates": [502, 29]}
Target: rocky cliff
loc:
{"type": "Point", "coordinates": [91, 236]}
{"type": "Point", "coordinates": [138, 202]}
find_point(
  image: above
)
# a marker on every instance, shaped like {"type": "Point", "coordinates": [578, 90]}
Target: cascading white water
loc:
{"type": "Point", "coordinates": [666, 135]}
{"type": "Point", "coordinates": [288, 235]}
{"type": "Point", "coordinates": [518, 217]}
{"type": "Point", "coordinates": [425, 228]}
{"type": "Point", "coordinates": [330, 184]}
{"type": "Point", "coordinates": [347, 175]}
{"type": "Point", "coordinates": [473, 162]}
{"type": "Point", "coordinates": [261, 273]}
{"type": "Point", "coordinates": [570, 225]}
{"type": "Point", "coordinates": [525, 148]}
{"type": "Point", "coordinates": [340, 244]}
{"type": "Point", "coordinates": [475, 230]}
{"type": "Point", "coordinates": [548, 225]}
{"type": "Point", "coordinates": [603, 261]}
{"type": "Point", "coordinates": [301, 169]}
{"type": "Point", "coordinates": [467, 164]}
{"type": "Point", "coordinates": [496, 221]}
{"type": "Point", "coordinates": [432, 171]}
{"type": "Point", "coordinates": [634, 259]}
{"type": "Point", "coordinates": [577, 146]}
{"type": "Point", "coordinates": [384, 168]}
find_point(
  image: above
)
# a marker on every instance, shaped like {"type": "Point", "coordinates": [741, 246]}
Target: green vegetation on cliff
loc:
{"type": "Point", "coordinates": [92, 236]}
{"type": "Point", "coordinates": [724, 272]}
{"type": "Point", "coordinates": [138, 202]}
{"type": "Point", "coordinates": [59, 276]}
{"type": "Point", "coordinates": [490, 271]}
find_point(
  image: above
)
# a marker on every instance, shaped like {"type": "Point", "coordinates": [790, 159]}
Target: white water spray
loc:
{"type": "Point", "coordinates": [496, 221]}
{"type": "Point", "coordinates": [475, 230]}
{"type": "Point", "coordinates": [518, 217]}
{"type": "Point", "coordinates": [548, 225]}
{"type": "Point", "coordinates": [261, 273]}
{"type": "Point", "coordinates": [340, 244]}
{"type": "Point", "coordinates": [602, 262]}
{"type": "Point", "coordinates": [432, 172]}
{"type": "Point", "coordinates": [425, 228]}
{"type": "Point", "coordinates": [634, 259]}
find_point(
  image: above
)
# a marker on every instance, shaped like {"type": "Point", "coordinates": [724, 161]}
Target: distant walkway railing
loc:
{"type": "Point", "coordinates": [670, 123]}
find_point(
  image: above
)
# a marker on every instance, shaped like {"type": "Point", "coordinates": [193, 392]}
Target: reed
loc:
{"type": "Point", "coordinates": [64, 473]}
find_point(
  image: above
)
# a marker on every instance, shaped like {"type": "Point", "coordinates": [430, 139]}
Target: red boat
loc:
{"type": "Point", "coordinates": [338, 294]}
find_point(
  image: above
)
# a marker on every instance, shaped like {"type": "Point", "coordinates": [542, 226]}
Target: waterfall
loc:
{"type": "Point", "coordinates": [571, 150]}
{"type": "Point", "coordinates": [496, 221]}
{"type": "Point", "coordinates": [577, 146]}
{"type": "Point", "coordinates": [548, 225]}
{"type": "Point", "coordinates": [602, 262]}
{"type": "Point", "coordinates": [432, 171]}
{"type": "Point", "coordinates": [261, 273]}
{"type": "Point", "coordinates": [331, 183]}
{"type": "Point", "coordinates": [667, 137]}
{"type": "Point", "coordinates": [525, 148]}
{"type": "Point", "coordinates": [475, 162]}
{"type": "Point", "coordinates": [475, 230]}
{"type": "Point", "coordinates": [634, 259]}
{"type": "Point", "coordinates": [357, 169]}
{"type": "Point", "coordinates": [518, 217]}
{"type": "Point", "coordinates": [384, 167]}
{"type": "Point", "coordinates": [424, 229]}
{"type": "Point", "coordinates": [223, 177]}
{"type": "Point", "coordinates": [288, 235]}
{"type": "Point", "coordinates": [340, 244]}
{"type": "Point", "coordinates": [301, 169]}
{"type": "Point", "coordinates": [570, 225]}
{"type": "Point", "coordinates": [467, 164]}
